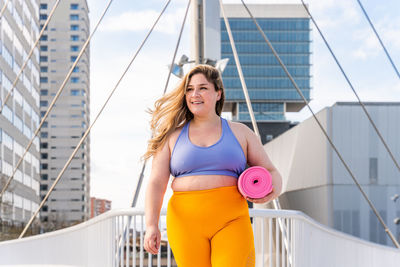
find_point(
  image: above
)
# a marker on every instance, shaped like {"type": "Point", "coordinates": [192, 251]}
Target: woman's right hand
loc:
{"type": "Point", "coordinates": [152, 239]}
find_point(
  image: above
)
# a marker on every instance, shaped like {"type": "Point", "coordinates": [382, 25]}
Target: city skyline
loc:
{"type": "Point", "coordinates": [119, 138]}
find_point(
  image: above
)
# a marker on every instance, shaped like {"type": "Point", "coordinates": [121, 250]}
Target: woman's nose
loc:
{"type": "Point", "coordinates": [196, 91]}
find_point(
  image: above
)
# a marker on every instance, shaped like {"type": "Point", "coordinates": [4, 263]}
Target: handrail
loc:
{"type": "Point", "coordinates": [95, 243]}
{"type": "Point", "coordinates": [261, 213]}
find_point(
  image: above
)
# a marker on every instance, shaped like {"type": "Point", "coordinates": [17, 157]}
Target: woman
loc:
{"type": "Point", "coordinates": [208, 222]}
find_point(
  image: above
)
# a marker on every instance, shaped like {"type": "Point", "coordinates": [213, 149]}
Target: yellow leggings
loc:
{"type": "Point", "coordinates": [210, 228]}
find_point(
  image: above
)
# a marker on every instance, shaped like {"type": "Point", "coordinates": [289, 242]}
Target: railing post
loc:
{"type": "Point", "coordinates": [141, 241]}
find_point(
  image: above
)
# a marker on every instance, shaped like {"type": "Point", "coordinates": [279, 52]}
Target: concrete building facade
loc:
{"type": "Point", "coordinates": [60, 45]}
{"type": "Point", "coordinates": [20, 117]}
{"type": "Point", "coordinates": [317, 183]}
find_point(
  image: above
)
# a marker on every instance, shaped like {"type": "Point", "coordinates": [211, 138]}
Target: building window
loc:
{"type": "Point", "coordinates": [44, 59]}
{"type": "Point", "coordinates": [8, 113]}
{"type": "Point", "coordinates": [74, 17]}
{"type": "Point", "coordinates": [74, 37]}
{"type": "Point", "coordinates": [74, 79]}
{"type": "Point", "coordinates": [44, 155]}
{"type": "Point", "coordinates": [44, 79]}
{"type": "Point", "coordinates": [44, 145]}
{"type": "Point", "coordinates": [73, 58]}
{"type": "Point", "coordinates": [44, 69]}
{"type": "Point", "coordinates": [43, 48]}
{"type": "Point", "coordinates": [44, 103]}
{"type": "Point", "coordinates": [43, 6]}
{"type": "Point", "coordinates": [74, 6]}
{"type": "Point", "coordinates": [44, 134]}
{"type": "Point", "coordinates": [44, 166]}
{"type": "Point", "coordinates": [43, 16]}
{"type": "Point", "coordinates": [74, 48]}
{"type": "Point", "coordinates": [44, 176]}
{"type": "Point", "coordinates": [76, 69]}
{"type": "Point", "coordinates": [75, 92]}
{"type": "Point", "coordinates": [44, 92]}
{"type": "Point", "coordinates": [43, 187]}
{"type": "Point", "coordinates": [44, 37]}
{"type": "Point", "coordinates": [373, 170]}
{"type": "Point", "coordinates": [74, 27]}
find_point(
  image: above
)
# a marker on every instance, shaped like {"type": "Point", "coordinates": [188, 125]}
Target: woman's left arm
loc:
{"type": "Point", "coordinates": [256, 156]}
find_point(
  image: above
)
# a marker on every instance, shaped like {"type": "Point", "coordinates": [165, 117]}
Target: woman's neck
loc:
{"type": "Point", "coordinates": [208, 121]}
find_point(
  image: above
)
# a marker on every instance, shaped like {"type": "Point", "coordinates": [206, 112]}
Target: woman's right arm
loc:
{"type": "Point", "coordinates": [154, 197]}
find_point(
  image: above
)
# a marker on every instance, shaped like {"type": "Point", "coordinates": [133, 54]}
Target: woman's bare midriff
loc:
{"type": "Point", "coordinates": [202, 182]}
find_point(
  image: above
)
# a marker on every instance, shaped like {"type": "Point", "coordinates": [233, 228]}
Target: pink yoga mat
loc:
{"type": "Point", "coordinates": [255, 182]}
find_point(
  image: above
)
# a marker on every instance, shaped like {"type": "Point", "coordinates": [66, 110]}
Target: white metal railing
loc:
{"type": "Point", "coordinates": [116, 239]}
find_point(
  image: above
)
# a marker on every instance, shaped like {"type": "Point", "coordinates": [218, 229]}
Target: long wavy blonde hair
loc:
{"type": "Point", "coordinates": [171, 110]}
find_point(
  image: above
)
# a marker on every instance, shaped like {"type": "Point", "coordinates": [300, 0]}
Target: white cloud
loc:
{"type": "Point", "coordinates": [368, 45]}
{"type": "Point", "coordinates": [135, 21]}
{"type": "Point", "coordinates": [334, 14]}
{"type": "Point", "coordinates": [389, 31]}
{"type": "Point", "coordinates": [360, 54]}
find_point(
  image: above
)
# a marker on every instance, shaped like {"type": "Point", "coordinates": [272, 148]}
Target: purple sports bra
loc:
{"type": "Point", "coordinates": [225, 157]}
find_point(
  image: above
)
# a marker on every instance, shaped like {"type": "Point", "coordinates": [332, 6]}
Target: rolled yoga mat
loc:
{"type": "Point", "coordinates": [255, 182]}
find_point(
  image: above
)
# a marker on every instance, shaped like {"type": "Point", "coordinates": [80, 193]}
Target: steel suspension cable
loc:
{"type": "Point", "coordinates": [276, 202]}
{"type": "Point", "coordinates": [4, 8]}
{"type": "Point", "coordinates": [322, 128]}
{"type": "Point", "coordinates": [354, 91]}
{"type": "Point", "coordinates": [53, 102]}
{"type": "Point", "coordinates": [92, 124]}
{"type": "Point", "coordinates": [29, 55]}
{"type": "Point", "coordinates": [379, 38]}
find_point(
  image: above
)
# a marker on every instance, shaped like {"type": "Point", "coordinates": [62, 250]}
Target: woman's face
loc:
{"type": "Point", "coordinates": [201, 96]}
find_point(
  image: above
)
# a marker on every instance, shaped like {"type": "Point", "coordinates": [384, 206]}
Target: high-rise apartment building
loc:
{"type": "Point", "coordinates": [60, 45]}
{"type": "Point", "coordinates": [20, 117]}
{"type": "Point", "coordinates": [288, 28]}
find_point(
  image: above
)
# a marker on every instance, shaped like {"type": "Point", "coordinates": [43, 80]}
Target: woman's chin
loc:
{"type": "Point", "coordinates": [197, 111]}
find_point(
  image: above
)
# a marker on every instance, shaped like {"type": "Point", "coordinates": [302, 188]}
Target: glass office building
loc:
{"type": "Point", "coordinates": [270, 90]}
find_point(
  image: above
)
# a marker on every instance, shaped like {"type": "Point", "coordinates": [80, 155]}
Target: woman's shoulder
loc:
{"type": "Point", "coordinates": [175, 133]}
{"type": "Point", "coordinates": [171, 139]}
{"type": "Point", "coordinates": [239, 128]}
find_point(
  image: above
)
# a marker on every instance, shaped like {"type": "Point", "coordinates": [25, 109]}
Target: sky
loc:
{"type": "Point", "coordinates": [119, 137]}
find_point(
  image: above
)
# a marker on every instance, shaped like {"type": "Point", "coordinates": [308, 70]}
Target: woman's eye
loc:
{"type": "Point", "coordinates": [189, 89]}
{"type": "Point", "coordinates": [203, 88]}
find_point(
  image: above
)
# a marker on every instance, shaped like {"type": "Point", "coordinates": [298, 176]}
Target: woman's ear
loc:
{"type": "Point", "coordinates": [219, 95]}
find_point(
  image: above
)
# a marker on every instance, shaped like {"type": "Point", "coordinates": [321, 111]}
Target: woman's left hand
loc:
{"type": "Point", "coordinates": [265, 199]}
